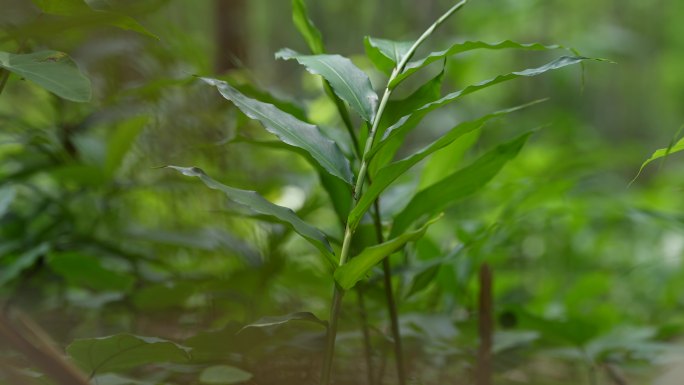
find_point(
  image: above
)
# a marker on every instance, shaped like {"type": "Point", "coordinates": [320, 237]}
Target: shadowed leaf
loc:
{"type": "Point", "coordinates": [259, 204]}
{"type": "Point", "coordinates": [348, 81]}
{"type": "Point", "coordinates": [55, 71]}
{"type": "Point", "coordinates": [290, 130]}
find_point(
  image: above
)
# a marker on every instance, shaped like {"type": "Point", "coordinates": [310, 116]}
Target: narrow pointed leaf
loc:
{"type": "Point", "coordinates": [408, 122]}
{"type": "Point", "coordinates": [277, 321]}
{"type": "Point", "coordinates": [353, 271]}
{"type": "Point", "coordinates": [349, 83]}
{"type": "Point", "coordinates": [389, 173]}
{"type": "Point", "coordinates": [10, 271]}
{"type": "Point", "coordinates": [124, 351]}
{"type": "Point", "coordinates": [458, 185]}
{"type": "Point", "coordinates": [306, 27]}
{"type": "Point", "coordinates": [661, 153]}
{"type": "Point", "coordinates": [386, 54]}
{"type": "Point", "coordinates": [55, 71]}
{"type": "Point", "coordinates": [396, 109]}
{"type": "Point", "coordinates": [121, 141]}
{"type": "Point", "coordinates": [290, 130]}
{"type": "Point", "coordinates": [7, 195]}
{"type": "Point", "coordinates": [457, 48]}
{"type": "Point", "coordinates": [260, 205]}
{"type": "Point", "coordinates": [338, 191]}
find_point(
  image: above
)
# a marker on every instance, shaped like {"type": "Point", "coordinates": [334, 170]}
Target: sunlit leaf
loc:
{"type": "Point", "coordinates": [55, 71]}
{"type": "Point", "coordinates": [259, 204]}
{"type": "Point", "coordinates": [306, 27]}
{"type": "Point", "coordinates": [124, 351]}
{"type": "Point", "coordinates": [353, 271]}
{"type": "Point", "coordinates": [386, 54]}
{"type": "Point", "coordinates": [432, 200]}
{"type": "Point", "coordinates": [224, 375]}
{"type": "Point", "coordinates": [277, 321]}
{"type": "Point", "coordinates": [349, 83]}
{"type": "Point", "coordinates": [290, 130]}
{"type": "Point", "coordinates": [457, 48]}
{"type": "Point", "coordinates": [661, 153]}
{"type": "Point", "coordinates": [409, 121]}
{"type": "Point", "coordinates": [388, 174]}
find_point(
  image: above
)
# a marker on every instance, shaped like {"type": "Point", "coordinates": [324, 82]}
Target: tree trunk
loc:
{"type": "Point", "coordinates": [231, 33]}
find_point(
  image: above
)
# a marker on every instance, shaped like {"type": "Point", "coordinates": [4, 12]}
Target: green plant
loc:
{"type": "Point", "coordinates": [356, 181]}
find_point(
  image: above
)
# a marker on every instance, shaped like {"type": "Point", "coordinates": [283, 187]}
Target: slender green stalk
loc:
{"type": "Point", "coordinates": [358, 187]}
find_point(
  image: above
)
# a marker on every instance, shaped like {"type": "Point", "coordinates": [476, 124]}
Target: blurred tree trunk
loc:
{"type": "Point", "coordinates": [231, 34]}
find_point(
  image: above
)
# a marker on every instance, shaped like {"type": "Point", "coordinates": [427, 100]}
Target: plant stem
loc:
{"type": "Point", "coordinates": [391, 302]}
{"type": "Point", "coordinates": [366, 336]}
{"type": "Point", "coordinates": [486, 326]}
{"type": "Point", "coordinates": [358, 187]}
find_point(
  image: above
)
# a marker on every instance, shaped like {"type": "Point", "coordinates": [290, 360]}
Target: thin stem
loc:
{"type": "Point", "coordinates": [344, 115]}
{"type": "Point", "coordinates": [331, 335]}
{"type": "Point", "coordinates": [368, 353]}
{"type": "Point", "coordinates": [486, 326]}
{"type": "Point", "coordinates": [389, 296]}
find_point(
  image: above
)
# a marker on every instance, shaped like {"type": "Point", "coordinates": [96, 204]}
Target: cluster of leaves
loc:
{"type": "Point", "coordinates": [73, 220]}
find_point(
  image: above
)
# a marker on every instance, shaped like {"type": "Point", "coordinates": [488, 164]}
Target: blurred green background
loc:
{"type": "Point", "coordinates": [95, 239]}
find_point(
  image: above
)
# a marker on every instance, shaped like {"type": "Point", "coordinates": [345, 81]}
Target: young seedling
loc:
{"type": "Point", "coordinates": [356, 185]}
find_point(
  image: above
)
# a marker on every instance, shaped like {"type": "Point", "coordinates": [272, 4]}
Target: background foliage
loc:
{"type": "Point", "coordinates": [96, 240]}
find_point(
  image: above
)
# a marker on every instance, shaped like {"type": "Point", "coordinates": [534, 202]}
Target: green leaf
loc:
{"type": "Point", "coordinates": [353, 271]}
{"type": "Point", "coordinates": [306, 27]}
{"type": "Point", "coordinates": [395, 110]}
{"type": "Point", "coordinates": [83, 270]}
{"type": "Point", "coordinates": [290, 130]}
{"type": "Point", "coordinates": [386, 54]}
{"type": "Point", "coordinates": [458, 185]}
{"type": "Point", "coordinates": [121, 142]}
{"type": "Point", "coordinates": [457, 48]}
{"type": "Point", "coordinates": [259, 204]}
{"type": "Point", "coordinates": [389, 173]}
{"type": "Point", "coordinates": [79, 9]}
{"type": "Point", "coordinates": [349, 83]}
{"type": "Point", "coordinates": [661, 153]}
{"type": "Point", "coordinates": [124, 351]}
{"type": "Point", "coordinates": [7, 194]}
{"type": "Point", "coordinates": [447, 159]}
{"type": "Point", "coordinates": [55, 71]}
{"type": "Point", "coordinates": [21, 263]}
{"type": "Point", "coordinates": [338, 191]}
{"type": "Point", "coordinates": [277, 321]}
{"type": "Point", "coordinates": [421, 280]}
{"type": "Point", "coordinates": [408, 122]}
{"type": "Point", "coordinates": [224, 375]}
